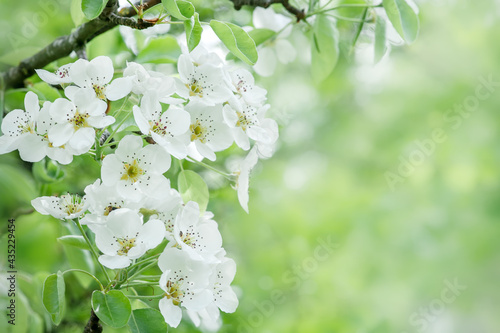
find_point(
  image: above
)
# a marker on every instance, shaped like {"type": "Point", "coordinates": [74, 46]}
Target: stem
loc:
{"type": "Point", "coordinates": [117, 128]}
{"type": "Point", "coordinates": [145, 296]}
{"type": "Point", "coordinates": [92, 250]}
{"type": "Point", "coordinates": [142, 270]}
{"type": "Point", "coordinates": [93, 325]}
{"type": "Point", "coordinates": [138, 284]}
{"type": "Point", "coordinates": [228, 176]}
{"type": "Point", "coordinates": [85, 272]}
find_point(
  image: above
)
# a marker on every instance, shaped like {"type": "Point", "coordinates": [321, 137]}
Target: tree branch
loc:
{"type": "Point", "coordinates": [93, 325]}
{"type": "Point", "coordinates": [300, 14]}
{"type": "Point", "coordinates": [63, 46]}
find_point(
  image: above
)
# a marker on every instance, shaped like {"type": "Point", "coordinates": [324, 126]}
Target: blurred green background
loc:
{"type": "Point", "coordinates": [394, 249]}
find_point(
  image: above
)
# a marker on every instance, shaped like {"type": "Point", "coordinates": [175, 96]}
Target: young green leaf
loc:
{"type": "Point", "coordinates": [160, 50]}
{"type": "Point", "coordinates": [403, 18]}
{"type": "Point", "coordinates": [236, 40]}
{"type": "Point", "coordinates": [112, 308]}
{"type": "Point", "coordinates": [380, 39]}
{"type": "Point", "coordinates": [93, 8]}
{"type": "Point", "coordinates": [193, 31]}
{"type": "Point", "coordinates": [147, 320]}
{"type": "Point", "coordinates": [193, 188]}
{"type": "Point", "coordinates": [180, 9]}
{"type": "Point", "coordinates": [325, 51]}
{"type": "Point", "coordinates": [53, 296]}
{"type": "Point", "coordinates": [259, 36]}
{"type": "Point", "coordinates": [73, 240]}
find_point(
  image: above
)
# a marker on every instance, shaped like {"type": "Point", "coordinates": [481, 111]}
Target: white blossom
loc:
{"type": "Point", "coordinates": [59, 77]}
{"type": "Point", "coordinates": [96, 75]}
{"type": "Point", "coordinates": [203, 82]}
{"type": "Point", "coordinates": [124, 237]}
{"type": "Point", "coordinates": [19, 129]}
{"type": "Point", "coordinates": [166, 128]}
{"type": "Point", "coordinates": [243, 177]}
{"type": "Point", "coordinates": [208, 133]}
{"type": "Point", "coordinates": [75, 121]}
{"type": "Point", "coordinates": [136, 170]}
{"type": "Point", "coordinates": [244, 86]}
{"type": "Point", "coordinates": [248, 122]}
{"type": "Point", "coordinates": [185, 284]}
{"type": "Point", "coordinates": [198, 235]}
{"type": "Point", "coordinates": [64, 207]}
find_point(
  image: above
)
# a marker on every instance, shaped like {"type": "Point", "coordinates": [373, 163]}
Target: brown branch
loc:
{"type": "Point", "coordinates": [300, 14]}
{"type": "Point", "coordinates": [63, 46]}
{"type": "Point", "coordinates": [93, 325]}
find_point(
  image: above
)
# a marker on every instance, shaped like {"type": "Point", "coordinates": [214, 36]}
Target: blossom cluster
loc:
{"type": "Point", "coordinates": [132, 208]}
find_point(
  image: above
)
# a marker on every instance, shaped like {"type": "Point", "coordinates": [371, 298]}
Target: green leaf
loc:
{"type": "Point", "coordinates": [74, 240]}
{"type": "Point", "coordinates": [53, 296]}
{"type": "Point", "coordinates": [325, 52]}
{"type": "Point", "coordinates": [147, 320]}
{"type": "Point", "coordinates": [160, 50]}
{"type": "Point", "coordinates": [193, 31]}
{"type": "Point", "coordinates": [193, 188]}
{"type": "Point", "coordinates": [93, 8]}
{"type": "Point", "coordinates": [403, 18]}
{"type": "Point", "coordinates": [47, 171]}
{"type": "Point", "coordinates": [181, 10]}
{"type": "Point", "coordinates": [45, 91]}
{"type": "Point", "coordinates": [236, 40]}
{"type": "Point", "coordinates": [76, 12]}
{"type": "Point", "coordinates": [259, 36]}
{"type": "Point", "coordinates": [380, 39]}
{"type": "Point", "coordinates": [113, 308]}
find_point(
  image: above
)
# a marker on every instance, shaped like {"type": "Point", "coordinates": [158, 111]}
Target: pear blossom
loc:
{"type": "Point", "coordinates": [136, 170]}
{"type": "Point", "coordinates": [124, 237]}
{"type": "Point", "coordinates": [244, 85]}
{"type": "Point", "coordinates": [166, 128]}
{"type": "Point", "coordinates": [103, 200]}
{"type": "Point", "coordinates": [154, 86]}
{"type": "Point", "coordinates": [224, 297]}
{"type": "Point", "coordinates": [278, 49]}
{"type": "Point", "coordinates": [247, 121]}
{"type": "Point", "coordinates": [185, 284]}
{"type": "Point", "coordinates": [64, 207]}
{"type": "Point", "coordinates": [62, 154]}
{"type": "Point", "coordinates": [203, 82]}
{"type": "Point", "coordinates": [198, 235]}
{"type": "Point", "coordinates": [59, 77]}
{"type": "Point", "coordinates": [208, 133]}
{"type": "Point", "coordinates": [19, 129]}
{"type": "Point", "coordinates": [165, 209]}
{"type": "Point", "coordinates": [95, 75]}
{"type": "Point", "coordinates": [243, 177]}
{"type": "Point", "coordinates": [75, 121]}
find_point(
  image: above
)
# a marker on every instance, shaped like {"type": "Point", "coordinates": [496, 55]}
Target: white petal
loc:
{"type": "Point", "coordinates": [82, 140]}
{"type": "Point", "coordinates": [119, 88]}
{"type": "Point", "coordinates": [32, 148]}
{"type": "Point", "coordinates": [100, 70]}
{"type": "Point", "coordinates": [60, 134]}
{"type": "Point", "coordinates": [171, 313]}
{"type": "Point", "coordinates": [114, 262]}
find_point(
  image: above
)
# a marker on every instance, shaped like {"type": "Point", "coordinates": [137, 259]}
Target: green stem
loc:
{"type": "Point", "coordinates": [138, 284]}
{"type": "Point", "coordinates": [142, 269]}
{"type": "Point", "coordinates": [145, 296]}
{"type": "Point", "coordinates": [228, 176]}
{"type": "Point", "coordinates": [85, 272]}
{"type": "Point", "coordinates": [92, 250]}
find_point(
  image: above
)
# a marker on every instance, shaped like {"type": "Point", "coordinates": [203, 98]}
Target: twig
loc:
{"type": "Point", "coordinates": [63, 46]}
{"type": "Point", "coordinates": [300, 14]}
{"type": "Point", "coordinates": [93, 325]}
